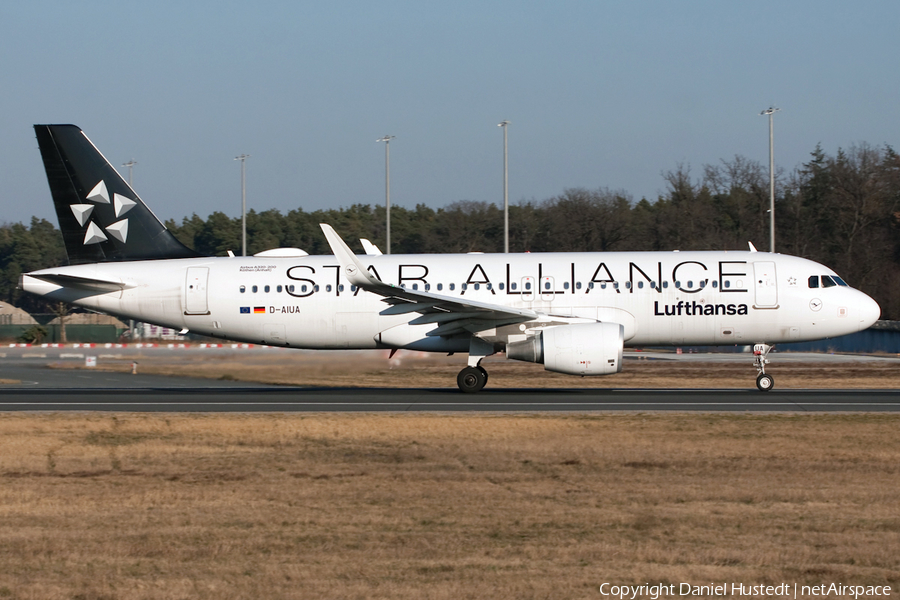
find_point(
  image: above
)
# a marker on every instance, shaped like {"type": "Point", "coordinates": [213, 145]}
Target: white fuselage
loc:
{"type": "Point", "coordinates": [661, 298]}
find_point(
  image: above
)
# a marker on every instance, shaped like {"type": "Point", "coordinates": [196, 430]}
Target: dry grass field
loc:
{"type": "Point", "coordinates": [434, 506]}
{"type": "Point", "coordinates": [373, 369]}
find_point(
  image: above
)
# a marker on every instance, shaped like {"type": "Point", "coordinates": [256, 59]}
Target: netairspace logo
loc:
{"type": "Point", "coordinates": [732, 590]}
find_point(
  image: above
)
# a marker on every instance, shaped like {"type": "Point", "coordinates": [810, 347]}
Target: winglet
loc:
{"type": "Point", "coordinates": [370, 248]}
{"type": "Point", "coordinates": [352, 269]}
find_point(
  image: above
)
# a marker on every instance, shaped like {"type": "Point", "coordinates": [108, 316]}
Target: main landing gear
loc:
{"type": "Point", "coordinates": [474, 377]}
{"type": "Point", "coordinates": [763, 382]}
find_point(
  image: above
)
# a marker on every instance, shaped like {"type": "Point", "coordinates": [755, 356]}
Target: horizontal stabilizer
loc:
{"type": "Point", "coordinates": [80, 283]}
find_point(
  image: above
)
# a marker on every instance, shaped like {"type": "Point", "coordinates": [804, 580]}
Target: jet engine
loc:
{"type": "Point", "coordinates": [578, 349]}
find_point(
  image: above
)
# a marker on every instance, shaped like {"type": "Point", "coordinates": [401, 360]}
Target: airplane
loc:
{"type": "Point", "coordinates": [572, 312]}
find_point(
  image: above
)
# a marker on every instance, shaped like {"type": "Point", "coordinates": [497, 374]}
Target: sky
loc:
{"type": "Point", "coordinates": [599, 94]}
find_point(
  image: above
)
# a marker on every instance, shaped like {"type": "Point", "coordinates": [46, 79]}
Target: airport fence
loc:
{"type": "Point", "coordinates": [74, 333]}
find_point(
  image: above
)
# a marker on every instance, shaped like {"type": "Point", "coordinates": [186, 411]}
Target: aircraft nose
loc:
{"type": "Point", "coordinates": [869, 311]}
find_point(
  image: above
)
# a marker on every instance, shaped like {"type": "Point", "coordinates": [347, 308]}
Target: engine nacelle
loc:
{"type": "Point", "coordinates": [579, 349]}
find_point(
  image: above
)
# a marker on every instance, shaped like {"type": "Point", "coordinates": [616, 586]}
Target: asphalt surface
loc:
{"type": "Point", "coordinates": [269, 399]}
{"type": "Point", "coordinates": [43, 389]}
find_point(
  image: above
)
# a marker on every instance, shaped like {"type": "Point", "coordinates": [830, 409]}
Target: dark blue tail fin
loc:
{"type": "Point", "coordinates": [100, 216]}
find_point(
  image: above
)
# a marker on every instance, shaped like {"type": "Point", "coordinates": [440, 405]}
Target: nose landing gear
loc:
{"type": "Point", "coordinates": [763, 382]}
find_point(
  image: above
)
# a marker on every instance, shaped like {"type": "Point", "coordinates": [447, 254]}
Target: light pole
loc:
{"type": "Point", "coordinates": [387, 186]}
{"type": "Point", "coordinates": [243, 158]}
{"type": "Point", "coordinates": [504, 125]}
{"type": "Point", "coordinates": [771, 112]}
{"type": "Point", "coordinates": [130, 164]}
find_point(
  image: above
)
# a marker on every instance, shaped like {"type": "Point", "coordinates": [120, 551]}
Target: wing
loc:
{"type": "Point", "coordinates": [451, 315]}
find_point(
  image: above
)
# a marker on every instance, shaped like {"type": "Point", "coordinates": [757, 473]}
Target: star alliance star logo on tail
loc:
{"type": "Point", "coordinates": [100, 195]}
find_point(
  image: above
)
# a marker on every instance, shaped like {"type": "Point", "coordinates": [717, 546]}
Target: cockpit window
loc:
{"type": "Point", "coordinates": [814, 281]}
{"type": "Point", "coordinates": [839, 281]}
{"type": "Point", "coordinates": [827, 281]}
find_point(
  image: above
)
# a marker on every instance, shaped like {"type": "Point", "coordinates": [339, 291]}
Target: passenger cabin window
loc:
{"type": "Point", "coordinates": [440, 287]}
{"type": "Point", "coordinates": [254, 289]}
{"type": "Point", "coordinates": [452, 286]}
{"type": "Point", "coordinates": [512, 286]}
{"type": "Point", "coordinates": [641, 284]}
{"type": "Point", "coordinates": [243, 289]}
{"type": "Point", "coordinates": [266, 289]}
{"type": "Point", "coordinates": [278, 289]}
{"type": "Point", "coordinates": [527, 285]}
{"type": "Point", "coordinates": [500, 285]}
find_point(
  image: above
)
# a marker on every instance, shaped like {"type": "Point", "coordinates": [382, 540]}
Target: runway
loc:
{"type": "Point", "coordinates": [281, 399]}
{"type": "Point", "coordinates": [32, 386]}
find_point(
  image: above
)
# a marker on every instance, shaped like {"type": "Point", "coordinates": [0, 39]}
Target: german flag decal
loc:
{"type": "Point", "coordinates": [259, 310]}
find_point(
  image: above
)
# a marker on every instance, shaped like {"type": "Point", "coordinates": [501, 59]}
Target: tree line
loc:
{"type": "Point", "coordinates": [842, 211]}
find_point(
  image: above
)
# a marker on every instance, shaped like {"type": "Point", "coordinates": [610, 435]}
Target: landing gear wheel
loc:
{"type": "Point", "coordinates": [471, 379]}
{"type": "Point", "coordinates": [765, 382]}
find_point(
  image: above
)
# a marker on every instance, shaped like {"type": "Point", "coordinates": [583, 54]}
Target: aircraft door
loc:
{"type": "Point", "coordinates": [765, 284]}
{"type": "Point", "coordinates": [196, 301]}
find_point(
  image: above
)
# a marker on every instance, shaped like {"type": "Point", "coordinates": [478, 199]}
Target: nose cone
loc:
{"type": "Point", "coordinates": [869, 311]}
